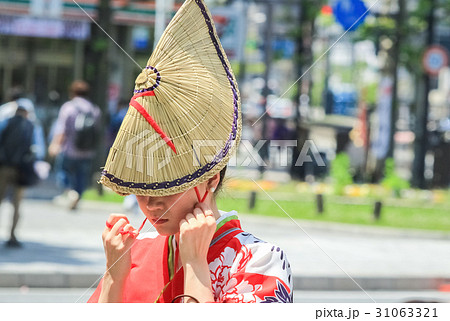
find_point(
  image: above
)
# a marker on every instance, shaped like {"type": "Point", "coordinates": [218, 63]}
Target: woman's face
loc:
{"type": "Point", "coordinates": [166, 212]}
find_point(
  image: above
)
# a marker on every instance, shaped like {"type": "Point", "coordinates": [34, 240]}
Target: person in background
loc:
{"type": "Point", "coordinates": [20, 148]}
{"type": "Point", "coordinates": [8, 110]}
{"type": "Point", "coordinates": [130, 203]}
{"type": "Point", "coordinates": [116, 120]}
{"type": "Point", "coordinates": [76, 135]}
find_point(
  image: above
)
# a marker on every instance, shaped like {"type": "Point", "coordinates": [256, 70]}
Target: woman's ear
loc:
{"type": "Point", "coordinates": [213, 182]}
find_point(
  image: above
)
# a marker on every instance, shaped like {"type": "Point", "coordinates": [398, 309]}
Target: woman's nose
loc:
{"type": "Point", "coordinates": [154, 203]}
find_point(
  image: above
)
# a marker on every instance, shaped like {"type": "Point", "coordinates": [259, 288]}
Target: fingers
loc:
{"type": "Point", "coordinates": [118, 224]}
{"type": "Point", "coordinates": [129, 230]}
{"type": "Point", "coordinates": [199, 215]}
{"type": "Point", "coordinates": [190, 218]}
{"type": "Point", "coordinates": [194, 218]}
{"type": "Point", "coordinates": [196, 232]}
{"type": "Point", "coordinates": [205, 209]}
{"type": "Point", "coordinates": [114, 218]}
{"type": "Point", "coordinates": [209, 218]}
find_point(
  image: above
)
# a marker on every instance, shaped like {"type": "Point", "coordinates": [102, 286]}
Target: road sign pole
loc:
{"type": "Point", "coordinates": [420, 143]}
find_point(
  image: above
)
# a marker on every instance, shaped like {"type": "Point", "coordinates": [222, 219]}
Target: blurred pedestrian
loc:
{"type": "Point", "coordinates": [129, 202]}
{"type": "Point", "coordinates": [8, 110]}
{"type": "Point", "coordinates": [75, 140]}
{"type": "Point", "coordinates": [116, 120]}
{"type": "Point", "coordinates": [17, 160]}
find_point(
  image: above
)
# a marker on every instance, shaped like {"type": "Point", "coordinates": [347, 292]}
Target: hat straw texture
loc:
{"type": "Point", "coordinates": [184, 120]}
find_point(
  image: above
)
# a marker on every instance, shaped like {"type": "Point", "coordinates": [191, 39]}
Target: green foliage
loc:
{"type": "Point", "coordinates": [100, 45]}
{"type": "Point", "coordinates": [325, 20]}
{"type": "Point", "coordinates": [417, 213]}
{"type": "Point", "coordinates": [371, 93]}
{"type": "Point", "coordinates": [317, 93]}
{"type": "Point", "coordinates": [372, 29]}
{"type": "Point", "coordinates": [313, 8]}
{"type": "Point", "coordinates": [340, 173]}
{"type": "Point", "coordinates": [412, 31]}
{"type": "Point", "coordinates": [304, 207]}
{"type": "Point", "coordinates": [309, 11]}
{"type": "Point", "coordinates": [391, 180]}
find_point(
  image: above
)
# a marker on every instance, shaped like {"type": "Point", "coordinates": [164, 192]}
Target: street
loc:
{"type": "Point", "coordinates": [43, 295]}
{"type": "Point", "coordinates": [62, 253]}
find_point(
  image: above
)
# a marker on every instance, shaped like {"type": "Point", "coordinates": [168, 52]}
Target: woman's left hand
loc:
{"type": "Point", "coordinates": [196, 232]}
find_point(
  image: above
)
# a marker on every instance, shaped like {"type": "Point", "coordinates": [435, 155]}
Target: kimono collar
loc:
{"type": "Point", "coordinates": [226, 217]}
{"type": "Point", "coordinates": [226, 224]}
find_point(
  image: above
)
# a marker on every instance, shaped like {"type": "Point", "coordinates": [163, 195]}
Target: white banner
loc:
{"type": "Point", "coordinates": [259, 312]}
{"type": "Point", "coordinates": [48, 28]}
{"type": "Point", "coordinates": [46, 8]}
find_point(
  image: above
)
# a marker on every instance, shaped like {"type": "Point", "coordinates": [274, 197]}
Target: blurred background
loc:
{"type": "Point", "coordinates": [346, 107]}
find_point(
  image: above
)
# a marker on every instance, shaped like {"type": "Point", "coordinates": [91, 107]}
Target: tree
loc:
{"type": "Point", "coordinates": [411, 31]}
{"type": "Point", "coordinates": [303, 33]}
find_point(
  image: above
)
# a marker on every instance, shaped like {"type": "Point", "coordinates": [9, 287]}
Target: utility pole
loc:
{"type": "Point", "coordinates": [304, 58]}
{"type": "Point", "coordinates": [243, 5]}
{"type": "Point", "coordinates": [420, 143]}
{"type": "Point", "coordinates": [264, 151]}
{"type": "Point", "coordinates": [97, 70]}
{"type": "Point", "coordinates": [98, 62]}
{"type": "Point", "coordinates": [399, 35]}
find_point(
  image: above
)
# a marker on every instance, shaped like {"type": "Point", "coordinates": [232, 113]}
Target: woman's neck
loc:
{"type": "Point", "coordinates": [213, 206]}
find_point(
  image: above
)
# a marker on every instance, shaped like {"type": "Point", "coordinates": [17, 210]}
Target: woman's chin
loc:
{"type": "Point", "coordinates": [166, 231]}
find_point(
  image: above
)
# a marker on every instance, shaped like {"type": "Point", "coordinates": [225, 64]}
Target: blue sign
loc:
{"type": "Point", "coordinates": [140, 36]}
{"type": "Point", "coordinates": [285, 47]}
{"type": "Point", "coordinates": [350, 13]}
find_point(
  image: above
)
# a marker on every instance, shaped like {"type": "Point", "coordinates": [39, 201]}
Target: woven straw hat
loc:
{"type": "Point", "coordinates": [184, 120]}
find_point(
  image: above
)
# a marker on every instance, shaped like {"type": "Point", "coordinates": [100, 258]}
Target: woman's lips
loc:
{"type": "Point", "coordinates": [158, 221]}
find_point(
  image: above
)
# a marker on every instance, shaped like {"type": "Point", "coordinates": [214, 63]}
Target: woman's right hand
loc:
{"type": "Point", "coordinates": [117, 247]}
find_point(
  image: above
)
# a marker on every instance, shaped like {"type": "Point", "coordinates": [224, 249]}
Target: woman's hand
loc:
{"type": "Point", "coordinates": [118, 257]}
{"type": "Point", "coordinates": [196, 232]}
{"type": "Point", "coordinates": [117, 247]}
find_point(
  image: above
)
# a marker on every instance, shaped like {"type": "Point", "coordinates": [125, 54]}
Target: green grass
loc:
{"type": "Point", "coordinates": [107, 196]}
{"type": "Point", "coordinates": [391, 216]}
{"type": "Point", "coordinates": [397, 213]}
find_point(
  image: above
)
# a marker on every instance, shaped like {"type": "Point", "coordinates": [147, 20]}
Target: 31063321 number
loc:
{"type": "Point", "coordinates": [406, 313]}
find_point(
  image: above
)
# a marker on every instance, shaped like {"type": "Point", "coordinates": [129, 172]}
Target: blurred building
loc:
{"type": "Point", "coordinates": [44, 44]}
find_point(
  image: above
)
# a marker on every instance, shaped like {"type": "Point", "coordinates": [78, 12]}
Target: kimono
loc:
{"type": "Point", "coordinates": [242, 268]}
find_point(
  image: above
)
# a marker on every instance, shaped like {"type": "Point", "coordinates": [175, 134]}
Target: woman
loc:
{"type": "Point", "coordinates": [183, 124]}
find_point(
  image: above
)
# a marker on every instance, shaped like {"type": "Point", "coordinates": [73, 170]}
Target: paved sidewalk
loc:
{"type": "Point", "coordinates": [63, 249]}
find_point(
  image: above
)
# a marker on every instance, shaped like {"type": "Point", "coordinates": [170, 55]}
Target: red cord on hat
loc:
{"type": "Point", "coordinates": [200, 199]}
{"type": "Point", "coordinates": [150, 119]}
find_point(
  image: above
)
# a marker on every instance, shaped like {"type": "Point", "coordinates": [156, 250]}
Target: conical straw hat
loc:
{"type": "Point", "coordinates": [184, 120]}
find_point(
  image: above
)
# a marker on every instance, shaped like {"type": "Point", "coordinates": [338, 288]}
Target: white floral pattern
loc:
{"type": "Point", "coordinates": [220, 270]}
{"type": "Point", "coordinates": [251, 271]}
